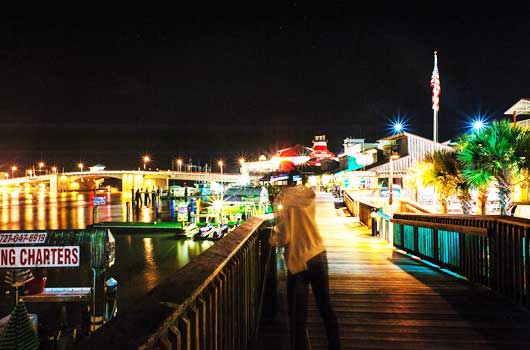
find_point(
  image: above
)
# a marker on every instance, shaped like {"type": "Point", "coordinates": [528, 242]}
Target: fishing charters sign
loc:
{"type": "Point", "coordinates": [35, 256]}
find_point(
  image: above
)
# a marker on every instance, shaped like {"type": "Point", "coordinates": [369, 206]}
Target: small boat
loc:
{"type": "Point", "coordinates": [219, 232]}
{"type": "Point", "coordinates": [204, 232]}
{"type": "Point", "coordinates": [191, 230]}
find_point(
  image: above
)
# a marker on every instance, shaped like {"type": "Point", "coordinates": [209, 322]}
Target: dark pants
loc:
{"type": "Point", "coordinates": [297, 295]}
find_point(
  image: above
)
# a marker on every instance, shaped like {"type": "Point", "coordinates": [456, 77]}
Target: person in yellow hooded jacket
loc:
{"type": "Point", "coordinates": [305, 255]}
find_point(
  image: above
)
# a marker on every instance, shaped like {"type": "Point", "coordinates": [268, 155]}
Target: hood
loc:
{"type": "Point", "coordinates": [298, 196]}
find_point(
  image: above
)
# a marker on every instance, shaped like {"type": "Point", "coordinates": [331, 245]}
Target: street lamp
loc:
{"type": "Point", "coordinates": [241, 162]}
{"type": "Point", "coordinates": [220, 163]}
{"type": "Point", "coordinates": [146, 160]}
{"type": "Point", "coordinates": [179, 163]}
{"type": "Point", "coordinates": [398, 125]}
{"type": "Point", "coordinates": [80, 166]}
{"type": "Point", "coordinates": [391, 180]}
{"type": "Point", "coordinates": [478, 124]}
{"type": "Point", "coordinates": [13, 169]}
{"type": "Point", "coordinates": [41, 165]}
{"type": "Point", "coordinates": [54, 170]}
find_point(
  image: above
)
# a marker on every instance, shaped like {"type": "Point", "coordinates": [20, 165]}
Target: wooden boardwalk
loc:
{"type": "Point", "coordinates": [386, 300]}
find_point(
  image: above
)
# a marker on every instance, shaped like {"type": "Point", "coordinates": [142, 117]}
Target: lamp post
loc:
{"type": "Point", "coordinates": [54, 170]}
{"type": "Point", "coordinates": [241, 162]}
{"type": "Point", "coordinates": [179, 163]}
{"type": "Point", "coordinates": [220, 163]}
{"type": "Point", "coordinates": [80, 166]}
{"type": "Point", "coordinates": [13, 169]}
{"type": "Point", "coordinates": [391, 180]}
{"type": "Point", "coordinates": [41, 165]}
{"type": "Point", "coordinates": [146, 160]}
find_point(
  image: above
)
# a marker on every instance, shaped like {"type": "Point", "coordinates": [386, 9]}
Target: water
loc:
{"type": "Point", "coordinates": [142, 260]}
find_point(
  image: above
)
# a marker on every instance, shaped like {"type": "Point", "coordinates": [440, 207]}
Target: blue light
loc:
{"type": "Point", "coordinates": [398, 125]}
{"type": "Point", "coordinates": [478, 123]}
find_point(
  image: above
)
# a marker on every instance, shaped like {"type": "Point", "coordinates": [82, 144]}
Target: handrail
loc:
{"type": "Point", "coordinates": [212, 302]}
{"type": "Point", "coordinates": [492, 250]}
{"type": "Point", "coordinates": [470, 230]}
{"type": "Point", "coordinates": [360, 208]}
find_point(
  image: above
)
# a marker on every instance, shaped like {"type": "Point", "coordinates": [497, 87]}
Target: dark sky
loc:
{"type": "Point", "coordinates": [86, 82]}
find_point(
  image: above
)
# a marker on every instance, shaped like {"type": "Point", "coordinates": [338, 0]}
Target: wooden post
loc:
{"type": "Point", "coordinates": [98, 299]}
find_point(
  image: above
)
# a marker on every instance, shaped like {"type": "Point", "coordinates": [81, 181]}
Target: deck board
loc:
{"type": "Point", "coordinates": [386, 300]}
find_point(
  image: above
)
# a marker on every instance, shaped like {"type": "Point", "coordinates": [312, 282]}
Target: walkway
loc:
{"type": "Point", "coordinates": [386, 300]}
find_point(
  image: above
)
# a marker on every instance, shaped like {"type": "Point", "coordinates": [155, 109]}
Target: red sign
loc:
{"type": "Point", "coordinates": [19, 257]}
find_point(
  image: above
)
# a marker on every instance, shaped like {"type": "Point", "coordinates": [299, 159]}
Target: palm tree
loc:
{"type": "Point", "coordinates": [444, 174]}
{"type": "Point", "coordinates": [497, 153]}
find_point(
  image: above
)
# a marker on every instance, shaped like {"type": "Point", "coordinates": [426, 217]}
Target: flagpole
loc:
{"type": "Point", "coordinates": [435, 112]}
{"type": "Point", "coordinates": [435, 126]}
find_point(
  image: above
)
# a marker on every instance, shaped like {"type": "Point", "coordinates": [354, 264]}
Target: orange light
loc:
{"type": "Point", "coordinates": [220, 163]}
{"type": "Point", "coordinates": [179, 161]}
{"type": "Point", "coordinates": [41, 164]}
{"type": "Point", "coordinates": [80, 165]}
{"type": "Point", "coordinates": [146, 159]}
{"type": "Point", "coordinates": [14, 168]}
{"type": "Point", "coordinates": [241, 161]}
{"type": "Point", "coordinates": [54, 169]}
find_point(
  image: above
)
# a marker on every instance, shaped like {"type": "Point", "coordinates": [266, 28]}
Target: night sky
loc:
{"type": "Point", "coordinates": [90, 83]}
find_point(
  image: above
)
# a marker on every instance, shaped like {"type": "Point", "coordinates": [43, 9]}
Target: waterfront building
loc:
{"type": "Point", "coordinates": [366, 167]}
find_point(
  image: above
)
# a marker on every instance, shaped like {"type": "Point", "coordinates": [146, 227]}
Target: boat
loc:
{"type": "Point", "coordinates": [219, 232]}
{"type": "Point", "coordinates": [204, 232]}
{"type": "Point", "coordinates": [191, 230]}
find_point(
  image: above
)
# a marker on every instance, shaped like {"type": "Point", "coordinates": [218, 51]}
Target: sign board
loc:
{"type": "Point", "coordinates": [22, 237]}
{"type": "Point", "coordinates": [99, 200]}
{"type": "Point", "coordinates": [42, 256]}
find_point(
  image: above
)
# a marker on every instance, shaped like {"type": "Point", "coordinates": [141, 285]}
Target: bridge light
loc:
{"type": "Point", "coordinates": [80, 166]}
{"type": "Point", "coordinates": [146, 160]}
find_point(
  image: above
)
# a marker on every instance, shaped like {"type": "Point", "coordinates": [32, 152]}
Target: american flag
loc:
{"type": "Point", "coordinates": [435, 84]}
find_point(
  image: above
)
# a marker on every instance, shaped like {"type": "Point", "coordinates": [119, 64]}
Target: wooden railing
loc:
{"type": "Point", "coordinates": [491, 250]}
{"type": "Point", "coordinates": [360, 208]}
{"type": "Point", "coordinates": [214, 302]}
{"type": "Point", "coordinates": [363, 210]}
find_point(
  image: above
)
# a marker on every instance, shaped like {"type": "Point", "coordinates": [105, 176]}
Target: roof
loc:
{"type": "Point", "coordinates": [294, 151]}
{"type": "Point", "coordinates": [521, 107]}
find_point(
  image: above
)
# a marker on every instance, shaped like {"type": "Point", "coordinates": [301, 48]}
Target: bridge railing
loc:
{"type": "Point", "coordinates": [491, 250]}
{"type": "Point", "coordinates": [360, 208]}
{"type": "Point", "coordinates": [214, 302]}
{"type": "Point", "coordinates": [364, 209]}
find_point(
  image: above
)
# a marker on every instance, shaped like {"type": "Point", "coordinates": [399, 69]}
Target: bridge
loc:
{"type": "Point", "coordinates": [430, 282]}
{"type": "Point", "coordinates": [87, 180]}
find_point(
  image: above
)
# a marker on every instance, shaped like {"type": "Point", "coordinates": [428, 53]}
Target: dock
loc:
{"type": "Point", "coordinates": [387, 300]}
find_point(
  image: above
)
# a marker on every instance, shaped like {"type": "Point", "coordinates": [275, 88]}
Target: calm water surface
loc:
{"type": "Point", "coordinates": [142, 261]}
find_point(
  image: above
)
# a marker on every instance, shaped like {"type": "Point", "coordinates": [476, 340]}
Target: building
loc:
{"type": "Point", "coordinates": [367, 166]}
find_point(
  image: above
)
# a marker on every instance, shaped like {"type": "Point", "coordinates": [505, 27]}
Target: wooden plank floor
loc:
{"type": "Point", "coordinates": [386, 300]}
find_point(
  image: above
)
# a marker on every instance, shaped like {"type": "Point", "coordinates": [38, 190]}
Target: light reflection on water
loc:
{"type": "Point", "coordinates": [142, 261]}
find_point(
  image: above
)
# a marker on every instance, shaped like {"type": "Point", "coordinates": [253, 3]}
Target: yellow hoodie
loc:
{"type": "Point", "coordinates": [296, 228]}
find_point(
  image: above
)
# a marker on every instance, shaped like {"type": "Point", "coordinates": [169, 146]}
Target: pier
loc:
{"type": "Point", "coordinates": [384, 297]}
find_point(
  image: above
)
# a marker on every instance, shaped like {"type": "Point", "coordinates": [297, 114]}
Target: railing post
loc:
{"type": "Point", "coordinates": [527, 265]}
{"type": "Point", "coordinates": [416, 243]}
{"type": "Point", "coordinates": [436, 255]}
